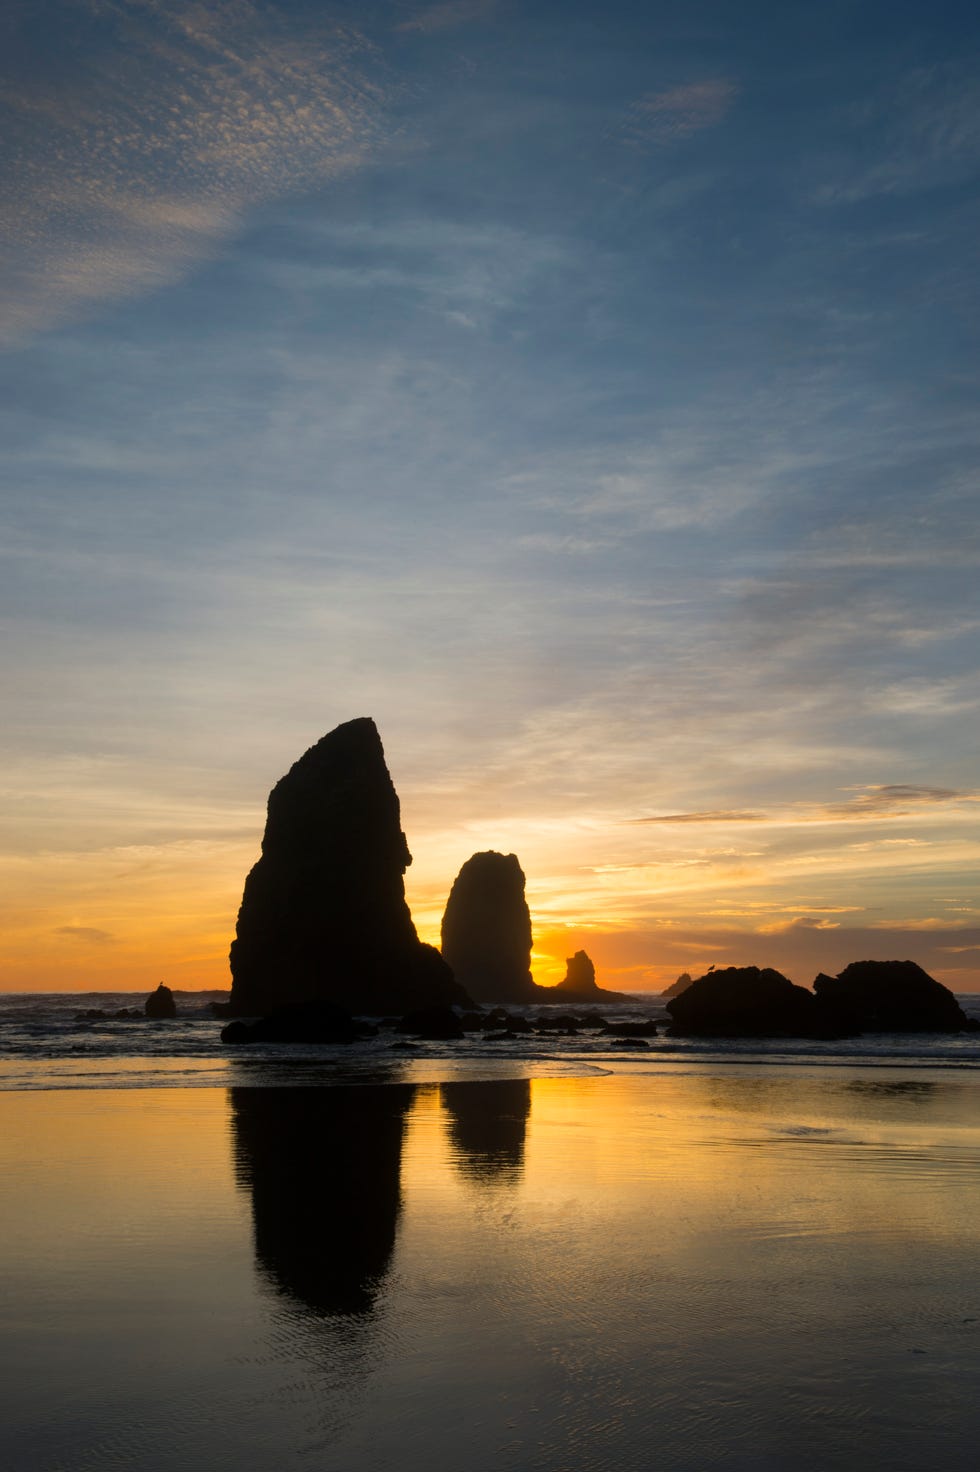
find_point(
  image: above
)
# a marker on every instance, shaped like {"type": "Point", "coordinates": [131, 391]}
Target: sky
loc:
{"type": "Point", "coordinates": [586, 393]}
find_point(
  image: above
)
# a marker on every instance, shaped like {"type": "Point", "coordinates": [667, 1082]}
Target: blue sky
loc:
{"type": "Point", "coordinates": [587, 393]}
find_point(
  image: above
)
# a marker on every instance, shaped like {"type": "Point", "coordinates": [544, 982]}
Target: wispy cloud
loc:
{"type": "Point", "coordinates": [927, 126]}
{"type": "Point", "coordinates": [719, 816]}
{"type": "Point", "coordinates": [448, 16]}
{"type": "Point", "coordinates": [109, 199]}
{"type": "Point", "coordinates": [896, 800]}
{"type": "Point", "coordinates": [680, 112]}
{"type": "Point", "coordinates": [88, 934]}
{"type": "Point", "coordinates": [886, 800]}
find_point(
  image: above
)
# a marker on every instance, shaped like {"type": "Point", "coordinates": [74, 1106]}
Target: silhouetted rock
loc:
{"type": "Point", "coordinates": [160, 1003]}
{"type": "Point", "coordinates": [323, 916]}
{"type": "Point", "coordinates": [434, 1024]}
{"type": "Point", "coordinates": [561, 1022]}
{"type": "Point", "coordinates": [888, 996]}
{"type": "Point", "coordinates": [303, 1022]}
{"type": "Point", "coordinates": [630, 1030]}
{"type": "Point", "coordinates": [678, 986]}
{"type": "Point", "coordinates": [579, 985]}
{"type": "Point", "coordinates": [629, 1043]}
{"type": "Point", "coordinates": [744, 1002]}
{"type": "Point", "coordinates": [579, 974]}
{"type": "Point", "coordinates": [519, 1024]}
{"type": "Point", "coordinates": [486, 930]}
{"type": "Point", "coordinates": [323, 1169]}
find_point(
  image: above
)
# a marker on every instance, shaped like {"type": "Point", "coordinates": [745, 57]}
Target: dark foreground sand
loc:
{"type": "Point", "coordinates": [707, 1266]}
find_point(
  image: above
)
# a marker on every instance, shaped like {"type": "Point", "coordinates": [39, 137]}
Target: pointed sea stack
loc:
{"type": "Point", "coordinates": [580, 986]}
{"type": "Point", "coordinates": [579, 974]}
{"type": "Point", "coordinates": [323, 917]}
{"type": "Point", "coordinates": [678, 986]}
{"type": "Point", "coordinates": [486, 930]}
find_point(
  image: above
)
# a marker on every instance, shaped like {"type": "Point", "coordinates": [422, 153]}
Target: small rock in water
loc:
{"type": "Point", "coordinates": [436, 1024]}
{"type": "Point", "coordinates": [160, 1003]}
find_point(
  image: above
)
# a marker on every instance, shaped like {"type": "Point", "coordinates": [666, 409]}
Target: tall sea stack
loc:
{"type": "Point", "coordinates": [323, 916]}
{"type": "Point", "coordinates": [486, 930]}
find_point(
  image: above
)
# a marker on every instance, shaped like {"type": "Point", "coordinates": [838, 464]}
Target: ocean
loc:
{"type": "Point", "coordinates": [43, 1044]}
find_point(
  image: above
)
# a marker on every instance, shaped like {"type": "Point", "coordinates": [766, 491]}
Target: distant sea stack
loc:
{"type": "Point", "coordinates": [486, 930]}
{"type": "Point", "coordinates": [678, 986]}
{"type": "Point", "coordinates": [323, 916]}
{"type": "Point", "coordinates": [580, 985]}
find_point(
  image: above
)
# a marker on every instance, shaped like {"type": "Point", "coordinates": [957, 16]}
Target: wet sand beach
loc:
{"type": "Point", "coordinates": [736, 1266]}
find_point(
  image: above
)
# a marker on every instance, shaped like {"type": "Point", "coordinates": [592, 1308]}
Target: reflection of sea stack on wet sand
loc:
{"type": "Point", "coordinates": [487, 1126]}
{"type": "Point", "coordinates": [323, 1168]}
{"type": "Point", "coordinates": [323, 916]}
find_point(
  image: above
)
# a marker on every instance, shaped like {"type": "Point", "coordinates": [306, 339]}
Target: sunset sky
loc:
{"type": "Point", "coordinates": [586, 392]}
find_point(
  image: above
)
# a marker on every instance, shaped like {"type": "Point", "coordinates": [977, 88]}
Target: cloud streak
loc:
{"type": "Point", "coordinates": [110, 197]}
{"type": "Point", "coordinates": [880, 801]}
{"type": "Point", "coordinates": [87, 934]}
{"type": "Point", "coordinates": [677, 113]}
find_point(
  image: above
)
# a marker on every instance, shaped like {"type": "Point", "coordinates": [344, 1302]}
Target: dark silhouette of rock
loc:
{"type": "Point", "coordinates": [744, 1002]}
{"type": "Point", "coordinates": [630, 1030]}
{"type": "Point", "coordinates": [486, 930]}
{"type": "Point", "coordinates": [323, 916]}
{"type": "Point", "coordinates": [629, 1043]}
{"type": "Point", "coordinates": [678, 986]}
{"type": "Point", "coordinates": [322, 1166]}
{"type": "Point", "coordinates": [486, 938]}
{"type": "Point", "coordinates": [303, 1022]}
{"type": "Point", "coordinates": [563, 1022]}
{"type": "Point", "coordinates": [434, 1024]}
{"type": "Point", "coordinates": [888, 996]}
{"type": "Point", "coordinates": [579, 985]}
{"type": "Point", "coordinates": [579, 974]}
{"type": "Point", "coordinates": [160, 1003]}
{"type": "Point", "coordinates": [487, 1126]}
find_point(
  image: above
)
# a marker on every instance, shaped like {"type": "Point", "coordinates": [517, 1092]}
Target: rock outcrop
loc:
{"type": "Point", "coordinates": [888, 996]}
{"type": "Point", "coordinates": [867, 996]}
{"type": "Point", "coordinates": [744, 1002]}
{"type": "Point", "coordinates": [300, 1022]}
{"type": "Point", "coordinates": [323, 916]}
{"type": "Point", "coordinates": [678, 986]}
{"type": "Point", "coordinates": [433, 1024]}
{"type": "Point", "coordinates": [486, 930]}
{"type": "Point", "coordinates": [579, 985]}
{"type": "Point", "coordinates": [160, 1003]}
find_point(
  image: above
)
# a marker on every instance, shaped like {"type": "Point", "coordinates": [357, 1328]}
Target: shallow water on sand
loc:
{"type": "Point", "coordinates": [710, 1266]}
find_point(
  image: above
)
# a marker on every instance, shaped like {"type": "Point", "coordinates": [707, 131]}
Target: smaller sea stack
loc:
{"type": "Point", "coordinates": [486, 930]}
